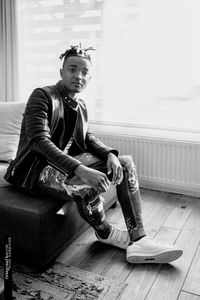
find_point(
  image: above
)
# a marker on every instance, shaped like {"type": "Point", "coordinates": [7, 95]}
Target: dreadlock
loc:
{"type": "Point", "coordinates": [77, 51]}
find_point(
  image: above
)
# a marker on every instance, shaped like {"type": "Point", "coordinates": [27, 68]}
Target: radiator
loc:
{"type": "Point", "coordinates": [165, 165]}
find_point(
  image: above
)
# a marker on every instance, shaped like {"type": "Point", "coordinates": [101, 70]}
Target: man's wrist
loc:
{"type": "Point", "coordinates": [110, 154]}
{"type": "Point", "coordinates": [78, 169]}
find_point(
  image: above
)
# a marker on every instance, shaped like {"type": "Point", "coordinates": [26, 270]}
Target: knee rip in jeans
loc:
{"type": "Point", "coordinates": [96, 204]}
{"type": "Point", "coordinates": [96, 212]}
{"type": "Point", "coordinates": [133, 180]}
{"type": "Point", "coordinates": [127, 162]}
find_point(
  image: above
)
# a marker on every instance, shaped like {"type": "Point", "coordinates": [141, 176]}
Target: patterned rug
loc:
{"type": "Point", "coordinates": [62, 282]}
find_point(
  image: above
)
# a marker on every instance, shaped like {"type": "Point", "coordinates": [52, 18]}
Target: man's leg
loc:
{"type": "Point", "coordinates": [130, 200]}
{"type": "Point", "coordinates": [90, 208]}
{"type": "Point", "coordinates": [89, 203]}
{"type": "Point", "coordinates": [141, 249]}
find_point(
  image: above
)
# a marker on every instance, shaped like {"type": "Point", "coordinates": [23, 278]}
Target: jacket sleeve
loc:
{"type": "Point", "coordinates": [95, 146]}
{"type": "Point", "coordinates": [37, 124]}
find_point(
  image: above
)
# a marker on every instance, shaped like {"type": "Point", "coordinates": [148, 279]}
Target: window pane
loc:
{"type": "Point", "coordinates": [147, 63]}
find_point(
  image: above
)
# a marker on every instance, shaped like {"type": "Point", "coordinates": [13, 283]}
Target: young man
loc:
{"type": "Point", "coordinates": [63, 159]}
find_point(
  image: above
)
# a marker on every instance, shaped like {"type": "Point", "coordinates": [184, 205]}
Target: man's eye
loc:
{"type": "Point", "coordinates": [85, 73]}
{"type": "Point", "coordinates": [72, 70]}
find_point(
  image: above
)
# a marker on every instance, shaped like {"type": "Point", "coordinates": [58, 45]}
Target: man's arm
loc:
{"type": "Point", "coordinates": [92, 177]}
{"type": "Point", "coordinates": [108, 154]}
{"type": "Point", "coordinates": [96, 147]}
{"type": "Point", "coordinates": [37, 117]}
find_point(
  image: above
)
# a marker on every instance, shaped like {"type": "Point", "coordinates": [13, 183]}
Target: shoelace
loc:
{"type": "Point", "coordinates": [119, 235]}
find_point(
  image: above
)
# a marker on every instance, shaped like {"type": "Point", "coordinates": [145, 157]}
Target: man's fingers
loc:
{"type": "Point", "coordinates": [102, 187]}
{"type": "Point", "coordinates": [103, 184]}
{"type": "Point", "coordinates": [104, 180]}
{"type": "Point", "coordinates": [121, 178]}
{"type": "Point", "coordinates": [105, 187]}
{"type": "Point", "coordinates": [117, 175]}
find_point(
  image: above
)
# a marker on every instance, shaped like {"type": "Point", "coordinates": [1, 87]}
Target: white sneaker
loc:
{"type": "Point", "coordinates": [117, 237]}
{"type": "Point", "coordinates": [147, 250]}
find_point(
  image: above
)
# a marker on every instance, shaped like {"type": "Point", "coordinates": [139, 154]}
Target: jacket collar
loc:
{"type": "Point", "coordinates": [63, 90]}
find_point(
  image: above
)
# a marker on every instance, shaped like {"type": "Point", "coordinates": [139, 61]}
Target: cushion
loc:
{"type": "Point", "coordinates": [10, 123]}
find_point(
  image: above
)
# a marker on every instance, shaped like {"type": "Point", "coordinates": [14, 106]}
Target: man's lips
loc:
{"type": "Point", "coordinates": [77, 83]}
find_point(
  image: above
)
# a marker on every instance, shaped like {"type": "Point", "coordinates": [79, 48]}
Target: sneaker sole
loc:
{"type": "Point", "coordinates": [112, 244]}
{"type": "Point", "coordinates": [161, 258]}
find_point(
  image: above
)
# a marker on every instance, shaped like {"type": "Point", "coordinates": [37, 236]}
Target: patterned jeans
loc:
{"type": "Point", "coordinates": [53, 183]}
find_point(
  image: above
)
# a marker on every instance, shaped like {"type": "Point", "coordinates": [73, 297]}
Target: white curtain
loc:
{"type": "Point", "coordinates": [8, 51]}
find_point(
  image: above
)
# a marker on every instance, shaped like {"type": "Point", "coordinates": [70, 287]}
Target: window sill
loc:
{"type": "Point", "coordinates": [122, 129]}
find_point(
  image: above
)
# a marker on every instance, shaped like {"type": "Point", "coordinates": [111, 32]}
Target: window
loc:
{"type": "Point", "coordinates": [147, 63]}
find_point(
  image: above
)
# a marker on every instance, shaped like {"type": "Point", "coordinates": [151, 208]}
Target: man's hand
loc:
{"type": "Point", "coordinates": [114, 166]}
{"type": "Point", "coordinates": [94, 178]}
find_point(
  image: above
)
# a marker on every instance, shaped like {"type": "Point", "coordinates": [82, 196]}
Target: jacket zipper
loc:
{"type": "Point", "coordinates": [50, 163]}
{"type": "Point", "coordinates": [26, 178]}
{"type": "Point", "coordinates": [19, 161]}
{"type": "Point", "coordinates": [56, 167]}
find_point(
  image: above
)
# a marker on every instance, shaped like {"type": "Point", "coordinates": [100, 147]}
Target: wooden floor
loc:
{"type": "Point", "coordinates": [168, 217]}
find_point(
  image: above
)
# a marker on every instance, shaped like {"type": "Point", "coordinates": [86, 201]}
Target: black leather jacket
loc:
{"type": "Point", "coordinates": [37, 135]}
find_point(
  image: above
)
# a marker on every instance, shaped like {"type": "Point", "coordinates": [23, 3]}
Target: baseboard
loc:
{"type": "Point", "coordinates": [170, 188]}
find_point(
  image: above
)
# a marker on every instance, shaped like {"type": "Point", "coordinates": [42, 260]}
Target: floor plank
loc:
{"type": "Point", "coordinates": [167, 234]}
{"type": "Point", "coordinates": [179, 214]}
{"type": "Point", "coordinates": [192, 283]}
{"type": "Point", "coordinates": [118, 268]}
{"type": "Point", "coordinates": [160, 212]}
{"type": "Point", "coordinates": [168, 217]}
{"type": "Point", "coordinates": [188, 296]}
{"type": "Point", "coordinates": [171, 276]}
{"type": "Point", "coordinates": [82, 246]}
{"type": "Point", "coordinates": [143, 276]}
{"type": "Point", "coordinates": [78, 250]}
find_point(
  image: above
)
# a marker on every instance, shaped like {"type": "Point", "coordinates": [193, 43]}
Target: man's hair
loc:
{"type": "Point", "coordinates": [76, 51]}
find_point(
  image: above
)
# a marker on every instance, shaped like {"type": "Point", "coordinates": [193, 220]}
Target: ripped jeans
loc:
{"type": "Point", "coordinates": [89, 203]}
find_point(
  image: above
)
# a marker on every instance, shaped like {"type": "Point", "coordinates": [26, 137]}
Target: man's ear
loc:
{"type": "Point", "coordinates": [61, 73]}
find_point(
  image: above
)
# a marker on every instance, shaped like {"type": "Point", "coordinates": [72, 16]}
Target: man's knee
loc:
{"type": "Point", "coordinates": [127, 162]}
{"type": "Point", "coordinates": [130, 172]}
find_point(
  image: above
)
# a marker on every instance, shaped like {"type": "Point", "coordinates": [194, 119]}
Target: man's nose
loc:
{"type": "Point", "coordinates": [79, 75]}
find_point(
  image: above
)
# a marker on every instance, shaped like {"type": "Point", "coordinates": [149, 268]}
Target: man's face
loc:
{"type": "Point", "coordinates": [76, 74]}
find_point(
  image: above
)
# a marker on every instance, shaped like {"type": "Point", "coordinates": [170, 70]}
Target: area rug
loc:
{"type": "Point", "coordinates": [61, 282]}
